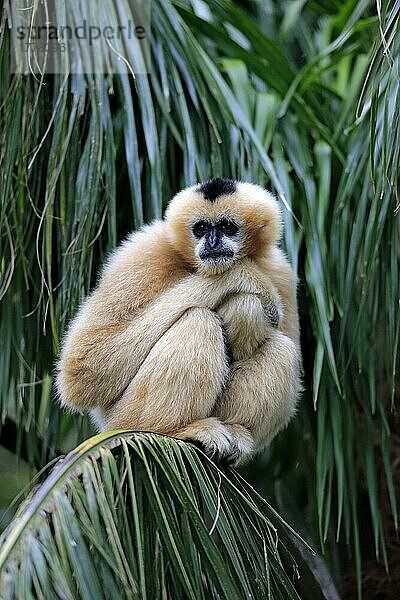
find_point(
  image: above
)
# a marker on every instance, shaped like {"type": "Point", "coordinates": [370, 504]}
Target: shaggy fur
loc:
{"type": "Point", "coordinates": [147, 349]}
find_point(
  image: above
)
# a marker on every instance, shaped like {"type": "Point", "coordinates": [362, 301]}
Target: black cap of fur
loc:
{"type": "Point", "coordinates": [214, 188]}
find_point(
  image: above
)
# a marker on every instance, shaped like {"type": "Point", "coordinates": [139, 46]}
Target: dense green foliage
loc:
{"type": "Point", "coordinates": [302, 98]}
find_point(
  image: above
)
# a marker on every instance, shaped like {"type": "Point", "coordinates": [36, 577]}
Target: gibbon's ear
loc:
{"type": "Point", "coordinates": [276, 221]}
{"type": "Point", "coordinates": [185, 208]}
{"type": "Point", "coordinates": [261, 214]}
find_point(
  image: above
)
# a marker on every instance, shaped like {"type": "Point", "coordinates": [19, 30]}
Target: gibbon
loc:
{"type": "Point", "coordinates": [193, 328]}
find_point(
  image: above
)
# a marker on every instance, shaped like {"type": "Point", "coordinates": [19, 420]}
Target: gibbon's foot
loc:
{"type": "Point", "coordinates": [245, 445]}
{"type": "Point", "coordinates": [224, 444]}
{"type": "Point", "coordinates": [211, 436]}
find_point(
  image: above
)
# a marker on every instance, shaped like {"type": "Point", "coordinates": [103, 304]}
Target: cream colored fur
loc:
{"type": "Point", "coordinates": [147, 349]}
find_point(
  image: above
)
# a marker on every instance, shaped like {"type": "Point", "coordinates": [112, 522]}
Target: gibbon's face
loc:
{"type": "Point", "coordinates": [217, 243]}
{"type": "Point", "coordinates": [216, 223]}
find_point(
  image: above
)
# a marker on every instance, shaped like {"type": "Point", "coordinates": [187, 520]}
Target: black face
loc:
{"type": "Point", "coordinates": [213, 234]}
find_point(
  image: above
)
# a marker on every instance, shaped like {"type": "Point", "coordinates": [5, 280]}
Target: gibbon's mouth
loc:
{"type": "Point", "coordinates": [215, 254]}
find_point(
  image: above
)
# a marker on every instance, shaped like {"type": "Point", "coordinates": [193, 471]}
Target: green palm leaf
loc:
{"type": "Point", "coordinates": [137, 515]}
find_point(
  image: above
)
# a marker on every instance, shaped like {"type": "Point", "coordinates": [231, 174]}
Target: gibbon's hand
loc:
{"type": "Point", "coordinates": [251, 280]}
{"type": "Point", "coordinates": [209, 291]}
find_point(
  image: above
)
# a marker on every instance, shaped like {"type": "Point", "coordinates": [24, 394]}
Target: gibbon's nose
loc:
{"type": "Point", "coordinates": [213, 239]}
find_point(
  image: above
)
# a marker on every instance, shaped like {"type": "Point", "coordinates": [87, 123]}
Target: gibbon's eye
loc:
{"type": "Point", "coordinates": [200, 228]}
{"type": "Point", "coordinates": [228, 227]}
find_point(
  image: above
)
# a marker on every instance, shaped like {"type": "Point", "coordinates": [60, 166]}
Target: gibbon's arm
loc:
{"type": "Point", "coordinates": [268, 301]}
{"type": "Point", "coordinates": [98, 361]}
{"type": "Point", "coordinates": [262, 390]}
{"type": "Point", "coordinates": [277, 269]}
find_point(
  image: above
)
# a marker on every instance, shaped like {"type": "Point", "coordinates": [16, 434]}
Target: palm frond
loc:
{"type": "Point", "coordinates": [137, 515]}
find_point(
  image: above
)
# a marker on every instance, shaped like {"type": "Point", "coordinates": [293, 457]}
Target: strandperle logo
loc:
{"type": "Point", "coordinates": [66, 36]}
{"type": "Point", "coordinates": [46, 33]}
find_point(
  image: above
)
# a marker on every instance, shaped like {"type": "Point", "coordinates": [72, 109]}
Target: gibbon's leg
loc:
{"type": "Point", "coordinates": [176, 388]}
{"type": "Point", "coordinates": [261, 392]}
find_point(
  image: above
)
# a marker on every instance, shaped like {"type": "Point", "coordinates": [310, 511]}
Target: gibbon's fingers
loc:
{"type": "Point", "coordinates": [272, 309]}
{"type": "Point", "coordinates": [178, 382]}
{"type": "Point", "coordinates": [261, 392]}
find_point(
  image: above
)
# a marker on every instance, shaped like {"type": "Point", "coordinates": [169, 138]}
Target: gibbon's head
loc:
{"type": "Point", "coordinates": [215, 223]}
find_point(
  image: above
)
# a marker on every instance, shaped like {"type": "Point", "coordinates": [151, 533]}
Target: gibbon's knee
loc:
{"type": "Point", "coordinates": [179, 381]}
{"type": "Point", "coordinates": [246, 324]}
{"type": "Point", "coordinates": [261, 392]}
